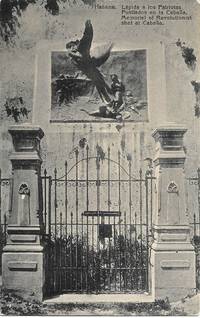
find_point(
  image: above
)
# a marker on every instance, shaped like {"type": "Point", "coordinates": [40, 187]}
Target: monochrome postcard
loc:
{"type": "Point", "coordinates": [100, 157]}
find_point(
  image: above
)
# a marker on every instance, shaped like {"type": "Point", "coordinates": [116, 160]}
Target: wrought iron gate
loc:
{"type": "Point", "coordinates": [98, 220]}
{"type": "Point", "coordinates": [193, 194]}
{"type": "Point", "coordinates": [4, 199]}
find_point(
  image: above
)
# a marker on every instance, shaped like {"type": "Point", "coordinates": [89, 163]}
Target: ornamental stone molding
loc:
{"type": "Point", "coordinates": [23, 255]}
{"type": "Point", "coordinates": [172, 254]}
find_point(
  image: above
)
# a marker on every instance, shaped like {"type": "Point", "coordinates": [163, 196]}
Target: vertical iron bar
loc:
{"type": "Point", "coordinates": [54, 266]}
{"type": "Point", "coordinates": [76, 218]}
{"type": "Point", "coordinates": [136, 254]}
{"type": "Point", "coordinates": [109, 203]}
{"type": "Point", "coordinates": [130, 220]}
{"type": "Point", "coordinates": [61, 232]}
{"type": "Point", "coordinates": [60, 250]}
{"type": "Point", "coordinates": [147, 233]}
{"type": "Point", "coordinates": [196, 250]}
{"type": "Point", "coordinates": [45, 200]}
{"type": "Point", "coordinates": [49, 207]}
{"type": "Point", "coordinates": [120, 238]}
{"type": "Point", "coordinates": [50, 248]}
{"type": "Point", "coordinates": [119, 182]}
{"type": "Point", "coordinates": [151, 199]}
{"type": "Point", "coordinates": [119, 204]}
{"type": "Point", "coordinates": [55, 224]}
{"type": "Point", "coordinates": [98, 222]}
{"type": "Point", "coordinates": [114, 256]}
{"type": "Point", "coordinates": [141, 228]}
{"type": "Point", "coordinates": [0, 198]}
{"type": "Point", "coordinates": [66, 198]}
{"type": "Point", "coordinates": [87, 183]}
{"type": "Point", "coordinates": [125, 252]}
{"type": "Point", "coordinates": [71, 254]}
{"type": "Point", "coordinates": [5, 228]}
{"type": "Point", "coordinates": [92, 247]}
{"type": "Point", "coordinates": [10, 195]}
{"type": "Point", "coordinates": [87, 247]}
{"type": "Point", "coordinates": [2, 231]}
{"type": "Point", "coordinates": [98, 185]}
{"type": "Point", "coordinates": [82, 252]}
{"type": "Point", "coordinates": [195, 230]}
{"type": "Point", "coordinates": [87, 208]}
{"type": "Point", "coordinates": [130, 197]}
{"type": "Point", "coordinates": [66, 221]}
{"type": "Point", "coordinates": [55, 200]}
{"type": "Point", "coordinates": [198, 174]}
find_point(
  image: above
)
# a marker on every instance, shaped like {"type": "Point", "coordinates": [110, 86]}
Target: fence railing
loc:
{"type": "Point", "coordinates": [193, 198]}
{"type": "Point", "coordinates": [195, 223]}
{"type": "Point", "coordinates": [98, 216]}
{"type": "Point", "coordinates": [3, 237]}
{"type": "Point", "coordinates": [4, 195]}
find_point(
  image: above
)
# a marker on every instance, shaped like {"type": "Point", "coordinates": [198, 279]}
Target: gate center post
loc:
{"type": "Point", "coordinates": [173, 256]}
{"type": "Point", "coordinates": [23, 257]}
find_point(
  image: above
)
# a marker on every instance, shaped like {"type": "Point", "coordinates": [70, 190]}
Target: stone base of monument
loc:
{"type": "Point", "coordinates": [173, 274]}
{"type": "Point", "coordinates": [23, 271]}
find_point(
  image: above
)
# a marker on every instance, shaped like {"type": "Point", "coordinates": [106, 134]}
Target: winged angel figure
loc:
{"type": "Point", "coordinates": [88, 64]}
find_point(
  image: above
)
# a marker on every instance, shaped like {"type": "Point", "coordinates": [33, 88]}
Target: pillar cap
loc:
{"type": "Point", "coordinates": [26, 129]}
{"type": "Point", "coordinates": [169, 127]}
{"type": "Point", "coordinates": [169, 137]}
{"type": "Point", "coordinates": [26, 138]}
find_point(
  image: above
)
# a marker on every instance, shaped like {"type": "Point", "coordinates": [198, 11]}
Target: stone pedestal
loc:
{"type": "Point", "coordinates": [173, 256]}
{"type": "Point", "coordinates": [23, 259]}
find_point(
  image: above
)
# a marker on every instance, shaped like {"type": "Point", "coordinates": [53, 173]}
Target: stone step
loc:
{"type": "Point", "coordinates": [100, 298]}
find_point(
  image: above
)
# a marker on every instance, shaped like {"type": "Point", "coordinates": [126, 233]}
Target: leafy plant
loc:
{"type": "Point", "coordinates": [12, 304]}
{"type": "Point", "coordinates": [188, 54]}
{"type": "Point", "coordinates": [73, 264]}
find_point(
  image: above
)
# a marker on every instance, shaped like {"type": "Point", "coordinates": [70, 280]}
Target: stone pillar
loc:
{"type": "Point", "coordinates": [23, 257]}
{"type": "Point", "coordinates": [173, 256]}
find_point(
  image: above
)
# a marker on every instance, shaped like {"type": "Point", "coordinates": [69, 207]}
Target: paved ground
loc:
{"type": "Point", "coordinates": [88, 305]}
{"type": "Point", "coordinates": [101, 298]}
{"type": "Point", "coordinates": [190, 305]}
{"type": "Point", "coordinates": [65, 305]}
{"type": "Point", "coordinates": [12, 305]}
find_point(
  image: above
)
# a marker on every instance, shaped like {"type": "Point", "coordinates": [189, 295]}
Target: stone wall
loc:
{"type": "Point", "coordinates": [25, 70]}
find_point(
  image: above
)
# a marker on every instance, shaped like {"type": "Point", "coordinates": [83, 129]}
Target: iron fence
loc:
{"type": "Point", "coordinates": [3, 237]}
{"type": "Point", "coordinates": [98, 220]}
{"type": "Point", "coordinates": [4, 182]}
{"type": "Point", "coordinates": [101, 249]}
{"type": "Point", "coordinates": [193, 194]}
